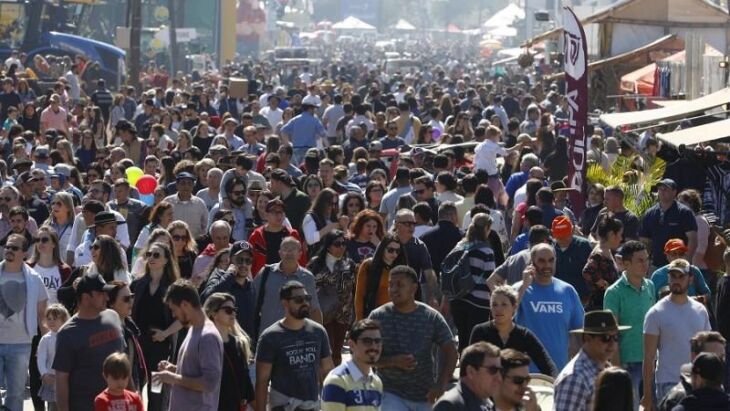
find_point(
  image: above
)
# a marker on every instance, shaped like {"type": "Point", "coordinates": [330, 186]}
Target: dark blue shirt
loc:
{"type": "Point", "coordinates": [514, 182]}
{"type": "Point", "coordinates": [570, 263]}
{"type": "Point", "coordinates": [660, 226]}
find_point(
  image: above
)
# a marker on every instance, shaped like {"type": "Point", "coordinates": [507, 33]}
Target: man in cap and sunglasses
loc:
{"type": "Point", "coordinates": [575, 383]}
{"type": "Point", "coordinates": [237, 282]}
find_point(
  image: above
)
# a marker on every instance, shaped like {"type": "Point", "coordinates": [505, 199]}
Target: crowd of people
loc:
{"type": "Point", "coordinates": [288, 249]}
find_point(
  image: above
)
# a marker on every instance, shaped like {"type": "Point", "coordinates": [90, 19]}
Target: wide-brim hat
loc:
{"type": "Point", "coordinates": [600, 322]}
{"type": "Point", "coordinates": [105, 217]}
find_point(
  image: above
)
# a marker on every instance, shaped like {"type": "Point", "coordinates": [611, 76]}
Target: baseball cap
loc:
{"type": "Point", "coordinates": [25, 177]}
{"type": "Point", "coordinates": [41, 152]}
{"type": "Point", "coordinates": [709, 366]}
{"type": "Point", "coordinates": [184, 175]}
{"type": "Point", "coordinates": [95, 282]}
{"type": "Point", "coordinates": [230, 120]}
{"type": "Point", "coordinates": [275, 203]}
{"type": "Point", "coordinates": [668, 182]}
{"type": "Point", "coordinates": [674, 244]}
{"type": "Point", "coordinates": [311, 101]}
{"type": "Point", "coordinates": [239, 246]}
{"type": "Point", "coordinates": [562, 227]}
{"type": "Point", "coordinates": [680, 265]}
{"type": "Point", "coordinates": [376, 146]}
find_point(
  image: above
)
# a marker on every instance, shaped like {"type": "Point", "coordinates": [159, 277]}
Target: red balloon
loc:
{"type": "Point", "coordinates": [146, 184]}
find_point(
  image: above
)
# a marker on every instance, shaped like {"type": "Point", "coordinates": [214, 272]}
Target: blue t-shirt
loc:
{"type": "Point", "coordinates": [521, 243]}
{"type": "Point", "coordinates": [551, 311]}
{"type": "Point", "coordinates": [698, 286]}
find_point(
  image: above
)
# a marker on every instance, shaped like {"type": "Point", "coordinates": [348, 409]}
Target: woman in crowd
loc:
{"type": "Point", "coordinates": [321, 218]}
{"type": "Point", "coordinates": [556, 162]}
{"type": "Point", "coordinates": [334, 274]}
{"type": "Point", "coordinates": [218, 267]}
{"type": "Point", "coordinates": [183, 248]}
{"type": "Point", "coordinates": [62, 219]}
{"type": "Point", "coordinates": [371, 287]}
{"type": "Point", "coordinates": [149, 311]}
{"type": "Point", "coordinates": [202, 137]}
{"type": "Point", "coordinates": [502, 331]}
{"type": "Point", "coordinates": [366, 230]}
{"type": "Point", "coordinates": [532, 186]}
{"type": "Point", "coordinates": [158, 235]}
{"type": "Point", "coordinates": [120, 300]}
{"type": "Point", "coordinates": [86, 153]}
{"type": "Point", "coordinates": [613, 391]}
{"type": "Point", "coordinates": [484, 196]}
{"type": "Point", "coordinates": [312, 185]}
{"type": "Point", "coordinates": [236, 390]}
{"type": "Point", "coordinates": [601, 269]}
{"type": "Point", "coordinates": [374, 193]}
{"type": "Point", "coordinates": [352, 204]}
{"type": "Point", "coordinates": [31, 118]}
{"type": "Point", "coordinates": [160, 217]}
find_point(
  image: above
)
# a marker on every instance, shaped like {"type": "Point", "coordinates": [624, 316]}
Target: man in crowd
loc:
{"type": "Point", "coordinates": [293, 355]}
{"type": "Point", "coordinates": [388, 205]}
{"type": "Point", "coordinates": [417, 256]}
{"type": "Point", "coordinates": [514, 393]}
{"type": "Point", "coordinates": [220, 235]}
{"type": "Point", "coordinates": [133, 210]}
{"type": "Point", "coordinates": [675, 249]}
{"type": "Point", "coordinates": [354, 385]}
{"type": "Point", "coordinates": [296, 203]}
{"type": "Point", "coordinates": [572, 253]}
{"type": "Point", "coordinates": [186, 206]}
{"type": "Point", "coordinates": [410, 330]}
{"type": "Point", "coordinates": [613, 199]}
{"type": "Point", "coordinates": [480, 378]}
{"type": "Point", "coordinates": [196, 376]}
{"type": "Point", "coordinates": [83, 344]}
{"type": "Point", "coordinates": [668, 327]}
{"type": "Point", "coordinates": [304, 130]}
{"type": "Point", "coordinates": [575, 383]}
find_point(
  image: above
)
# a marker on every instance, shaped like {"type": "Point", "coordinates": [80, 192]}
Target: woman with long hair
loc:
{"type": "Point", "coordinates": [485, 196]}
{"type": "Point", "coordinates": [184, 142]}
{"type": "Point", "coordinates": [532, 186]}
{"type": "Point", "coordinates": [86, 153]}
{"type": "Point", "coordinates": [556, 162]}
{"type": "Point", "coordinates": [374, 193]}
{"type": "Point", "coordinates": [202, 138]}
{"type": "Point", "coordinates": [120, 300]}
{"type": "Point", "coordinates": [107, 260]}
{"type": "Point", "coordinates": [61, 218]}
{"type": "Point", "coordinates": [545, 136]}
{"type": "Point", "coordinates": [26, 93]}
{"type": "Point", "coordinates": [371, 287]}
{"type": "Point", "coordinates": [167, 173]}
{"type": "Point", "coordinates": [160, 217]}
{"type": "Point", "coordinates": [425, 135]}
{"type": "Point", "coordinates": [236, 390]}
{"type": "Point", "coordinates": [31, 118]}
{"type": "Point", "coordinates": [167, 121]}
{"type": "Point", "coordinates": [183, 247]}
{"type": "Point", "coordinates": [287, 115]}
{"type": "Point", "coordinates": [334, 273]}
{"type": "Point", "coordinates": [67, 153]}
{"type": "Point", "coordinates": [692, 199]}
{"type": "Point", "coordinates": [601, 269]}
{"type": "Point", "coordinates": [312, 185]}
{"type": "Point", "coordinates": [352, 204]}
{"type": "Point", "coordinates": [366, 231]}
{"type": "Point", "coordinates": [117, 112]}
{"type": "Point", "coordinates": [321, 218]}
{"type": "Point", "coordinates": [149, 311]}
{"type": "Point", "coordinates": [217, 267]}
{"type": "Point", "coordinates": [158, 235]}
{"type": "Point", "coordinates": [613, 391]}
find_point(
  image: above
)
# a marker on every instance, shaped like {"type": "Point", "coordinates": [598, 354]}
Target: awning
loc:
{"type": "Point", "coordinates": [700, 134]}
{"type": "Point", "coordinates": [641, 81]}
{"type": "Point", "coordinates": [674, 111]}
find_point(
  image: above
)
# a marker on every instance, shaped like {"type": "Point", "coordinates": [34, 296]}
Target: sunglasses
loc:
{"type": "Point", "coordinates": [44, 239]}
{"type": "Point", "coordinates": [13, 248]}
{"type": "Point", "coordinates": [6, 198]}
{"type": "Point", "coordinates": [56, 203]}
{"type": "Point", "coordinates": [492, 369]}
{"type": "Point", "coordinates": [229, 310]}
{"type": "Point", "coordinates": [179, 237]}
{"type": "Point", "coordinates": [238, 192]}
{"type": "Point", "coordinates": [128, 298]}
{"type": "Point", "coordinates": [243, 260]}
{"type": "Point", "coordinates": [408, 223]}
{"type": "Point", "coordinates": [150, 254]}
{"type": "Point", "coordinates": [301, 299]}
{"type": "Point", "coordinates": [95, 247]}
{"type": "Point", "coordinates": [607, 338]}
{"type": "Point", "coordinates": [519, 380]}
{"type": "Point", "coordinates": [418, 192]}
{"type": "Point", "coordinates": [392, 250]}
{"type": "Point", "coordinates": [370, 341]}
{"type": "Point", "coordinates": [338, 244]}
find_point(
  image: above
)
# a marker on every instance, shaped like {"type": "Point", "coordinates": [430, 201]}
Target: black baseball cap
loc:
{"type": "Point", "coordinates": [95, 282]}
{"type": "Point", "coordinates": [239, 246]}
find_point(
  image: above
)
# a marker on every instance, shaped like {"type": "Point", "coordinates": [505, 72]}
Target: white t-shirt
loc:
{"type": "Point", "coordinates": [485, 156]}
{"type": "Point", "coordinates": [51, 280]}
{"type": "Point", "coordinates": [13, 300]}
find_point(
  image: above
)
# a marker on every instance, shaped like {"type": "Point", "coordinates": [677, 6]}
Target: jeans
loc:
{"type": "Point", "coordinates": [298, 154]}
{"type": "Point", "coordinates": [14, 360]}
{"type": "Point", "coordinates": [635, 371]}
{"type": "Point", "coordinates": [392, 402]}
{"type": "Point", "coordinates": [662, 388]}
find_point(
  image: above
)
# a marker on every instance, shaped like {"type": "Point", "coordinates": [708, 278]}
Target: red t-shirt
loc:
{"type": "Point", "coordinates": [129, 401]}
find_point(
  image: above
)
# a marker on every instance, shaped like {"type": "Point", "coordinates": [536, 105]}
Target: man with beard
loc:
{"type": "Point", "coordinates": [548, 306]}
{"type": "Point", "coordinates": [9, 198]}
{"type": "Point", "coordinates": [292, 355]}
{"type": "Point", "coordinates": [514, 394]}
{"type": "Point", "coordinates": [187, 207]}
{"type": "Point", "coordinates": [18, 225]}
{"type": "Point", "coordinates": [480, 376]}
{"type": "Point", "coordinates": [240, 206]}
{"type": "Point", "coordinates": [668, 327]}
{"type": "Point", "coordinates": [196, 378]}
{"type": "Point", "coordinates": [353, 385]}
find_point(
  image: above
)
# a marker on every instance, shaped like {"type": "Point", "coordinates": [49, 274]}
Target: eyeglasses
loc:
{"type": "Point", "coordinates": [519, 380]}
{"type": "Point", "coordinates": [56, 203]}
{"type": "Point", "coordinates": [155, 255]}
{"type": "Point", "coordinates": [128, 298]}
{"type": "Point", "coordinates": [242, 260]}
{"type": "Point", "coordinates": [95, 247]}
{"type": "Point", "coordinates": [44, 239]}
{"type": "Point", "coordinates": [370, 340]}
{"type": "Point", "coordinates": [408, 223]}
{"type": "Point", "coordinates": [229, 310]}
{"type": "Point", "coordinates": [418, 192]}
{"type": "Point", "coordinates": [179, 237]}
{"type": "Point", "coordinates": [492, 369]}
{"type": "Point", "coordinates": [13, 248]}
{"type": "Point", "coordinates": [392, 250]}
{"type": "Point", "coordinates": [301, 299]}
{"type": "Point", "coordinates": [238, 192]}
{"type": "Point", "coordinates": [607, 338]}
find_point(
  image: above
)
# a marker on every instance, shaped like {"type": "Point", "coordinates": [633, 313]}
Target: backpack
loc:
{"type": "Point", "coordinates": [456, 276]}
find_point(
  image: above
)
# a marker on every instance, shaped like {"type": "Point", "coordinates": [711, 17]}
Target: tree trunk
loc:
{"type": "Point", "coordinates": [134, 61]}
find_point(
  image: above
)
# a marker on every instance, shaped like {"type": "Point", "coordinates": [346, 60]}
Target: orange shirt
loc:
{"type": "Point", "coordinates": [361, 287]}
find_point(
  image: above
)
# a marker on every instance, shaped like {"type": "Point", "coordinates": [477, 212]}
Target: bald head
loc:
{"type": "Point", "coordinates": [537, 172]}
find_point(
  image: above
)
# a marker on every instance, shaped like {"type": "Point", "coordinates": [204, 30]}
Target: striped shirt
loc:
{"type": "Point", "coordinates": [346, 388]}
{"type": "Point", "coordinates": [481, 261]}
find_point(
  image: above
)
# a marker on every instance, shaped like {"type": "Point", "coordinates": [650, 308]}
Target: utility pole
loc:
{"type": "Point", "coordinates": [135, 8]}
{"type": "Point", "coordinates": [174, 50]}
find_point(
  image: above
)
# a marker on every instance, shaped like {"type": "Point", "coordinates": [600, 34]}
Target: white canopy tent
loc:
{"type": "Point", "coordinates": [503, 31]}
{"type": "Point", "coordinates": [352, 23]}
{"type": "Point", "coordinates": [700, 134]}
{"type": "Point", "coordinates": [404, 25]}
{"type": "Point", "coordinates": [505, 17]}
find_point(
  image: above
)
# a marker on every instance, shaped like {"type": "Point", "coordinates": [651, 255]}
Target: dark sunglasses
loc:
{"type": "Point", "coordinates": [518, 380]}
{"type": "Point", "coordinates": [179, 238]}
{"type": "Point", "coordinates": [13, 248]}
{"type": "Point", "coordinates": [95, 247]}
{"type": "Point", "coordinates": [128, 298]}
{"type": "Point", "coordinates": [408, 223]}
{"type": "Point", "coordinates": [6, 198]}
{"type": "Point", "coordinates": [301, 299]}
{"type": "Point", "coordinates": [607, 338]}
{"type": "Point", "coordinates": [238, 192]}
{"type": "Point", "coordinates": [229, 310]}
{"type": "Point", "coordinates": [338, 244]}
{"type": "Point", "coordinates": [492, 369]}
{"type": "Point", "coordinates": [370, 341]}
{"type": "Point", "coordinates": [44, 239]}
{"type": "Point", "coordinates": [418, 192]}
{"type": "Point", "coordinates": [154, 255]}
{"type": "Point", "coordinates": [392, 250]}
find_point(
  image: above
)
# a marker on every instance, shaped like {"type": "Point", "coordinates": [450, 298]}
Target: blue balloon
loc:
{"type": "Point", "coordinates": [148, 199]}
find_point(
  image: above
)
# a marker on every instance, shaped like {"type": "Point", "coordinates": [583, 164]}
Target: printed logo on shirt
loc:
{"type": "Point", "coordinates": [302, 355]}
{"type": "Point", "coordinates": [547, 307]}
{"type": "Point", "coordinates": [103, 337]}
{"type": "Point", "coordinates": [121, 405]}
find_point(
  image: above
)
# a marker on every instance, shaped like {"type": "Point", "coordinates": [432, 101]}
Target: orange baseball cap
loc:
{"type": "Point", "coordinates": [675, 244]}
{"type": "Point", "coordinates": [562, 227]}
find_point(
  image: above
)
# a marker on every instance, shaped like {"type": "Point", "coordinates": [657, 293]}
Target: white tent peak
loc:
{"type": "Point", "coordinates": [352, 23]}
{"type": "Point", "coordinates": [506, 16]}
{"type": "Point", "coordinates": [404, 25]}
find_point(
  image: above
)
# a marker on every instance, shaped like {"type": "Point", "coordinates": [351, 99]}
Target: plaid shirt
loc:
{"type": "Point", "coordinates": [575, 383]}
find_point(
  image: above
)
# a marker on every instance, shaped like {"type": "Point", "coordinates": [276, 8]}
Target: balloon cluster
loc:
{"type": "Point", "coordinates": [145, 184]}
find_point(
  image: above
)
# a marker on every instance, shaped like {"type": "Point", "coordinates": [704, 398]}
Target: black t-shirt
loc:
{"type": "Point", "coordinates": [273, 244]}
{"type": "Point", "coordinates": [359, 251]}
{"type": "Point", "coordinates": [235, 382]}
{"type": "Point", "coordinates": [6, 101]}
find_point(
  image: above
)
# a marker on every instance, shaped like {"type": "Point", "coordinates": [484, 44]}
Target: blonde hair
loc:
{"type": "Point", "coordinates": [57, 311]}
{"type": "Point", "coordinates": [212, 305]}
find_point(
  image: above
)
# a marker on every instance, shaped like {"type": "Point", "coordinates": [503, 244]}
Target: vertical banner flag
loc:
{"type": "Point", "coordinates": [575, 61]}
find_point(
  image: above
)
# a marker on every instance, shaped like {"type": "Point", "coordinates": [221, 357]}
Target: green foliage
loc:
{"type": "Point", "coordinates": [636, 184]}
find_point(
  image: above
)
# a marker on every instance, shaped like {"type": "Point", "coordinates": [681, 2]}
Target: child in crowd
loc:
{"type": "Point", "coordinates": [55, 316]}
{"type": "Point", "coordinates": [116, 397]}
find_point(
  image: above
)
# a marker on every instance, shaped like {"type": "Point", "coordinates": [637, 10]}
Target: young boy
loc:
{"type": "Point", "coordinates": [116, 397]}
{"type": "Point", "coordinates": [56, 315]}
